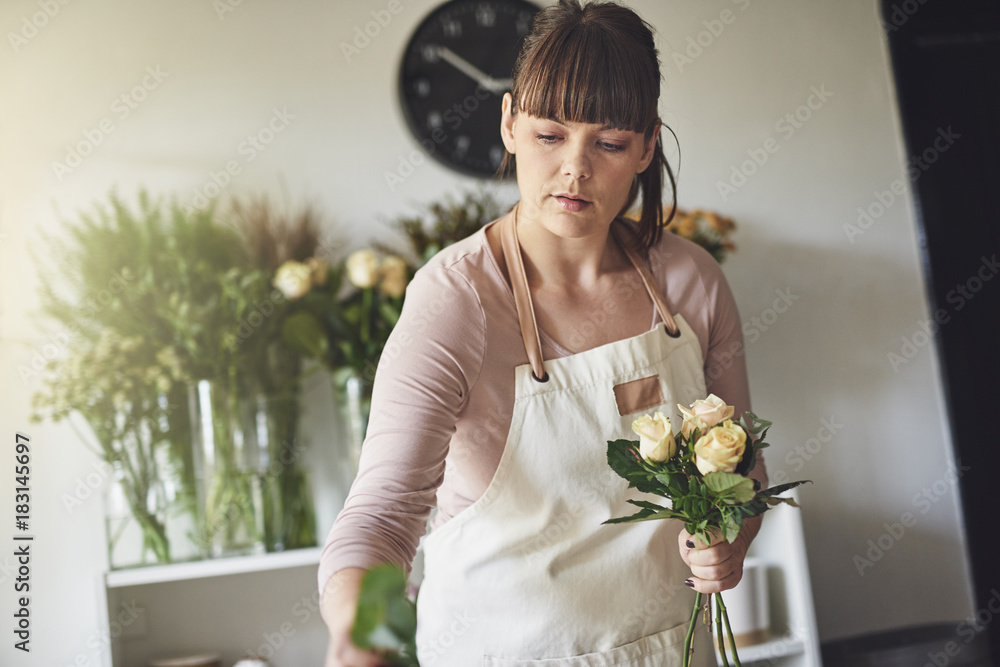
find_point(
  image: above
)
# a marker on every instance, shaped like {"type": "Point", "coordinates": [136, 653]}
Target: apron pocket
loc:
{"type": "Point", "coordinates": [663, 649]}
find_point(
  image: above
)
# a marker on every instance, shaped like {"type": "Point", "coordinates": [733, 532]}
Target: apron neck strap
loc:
{"type": "Point", "coordinates": [618, 232]}
{"type": "Point", "coordinates": [522, 295]}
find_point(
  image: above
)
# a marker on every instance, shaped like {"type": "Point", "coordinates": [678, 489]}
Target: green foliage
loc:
{"type": "Point", "coordinates": [150, 299]}
{"type": "Point", "coordinates": [385, 619]}
{"type": "Point", "coordinates": [718, 501]}
{"type": "Point", "coordinates": [448, 221]}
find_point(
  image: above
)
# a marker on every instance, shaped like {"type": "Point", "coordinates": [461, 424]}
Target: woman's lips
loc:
{"type": "Point", "coordinates": [573, 204]}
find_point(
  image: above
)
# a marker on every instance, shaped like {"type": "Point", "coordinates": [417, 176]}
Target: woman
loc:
{"type": "Point", "coordinates": [523, 349]}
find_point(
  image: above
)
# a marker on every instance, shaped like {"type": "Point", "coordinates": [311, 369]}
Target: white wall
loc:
{"type": "Point", "coordinates": [824, 357]}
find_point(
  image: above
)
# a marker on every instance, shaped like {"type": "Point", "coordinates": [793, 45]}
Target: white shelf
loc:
{"type": "Point", "coordinates": [779, 647]}
{"type": "Point", "coordinates": [215, 567]}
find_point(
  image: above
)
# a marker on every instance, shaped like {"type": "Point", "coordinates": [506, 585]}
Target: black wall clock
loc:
{"type": "Point", "coordinates": [454, 72]}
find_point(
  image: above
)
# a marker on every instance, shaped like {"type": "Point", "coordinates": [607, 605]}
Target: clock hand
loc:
{"type": "Point", "coordinates": [498, 87]}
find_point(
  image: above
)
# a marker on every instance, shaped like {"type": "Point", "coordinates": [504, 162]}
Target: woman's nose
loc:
{"type": "Point", "coordinates": [576, 162]}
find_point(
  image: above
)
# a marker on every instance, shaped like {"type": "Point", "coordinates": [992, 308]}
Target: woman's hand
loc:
{"type": "Point", "coordinates": [718, 566]}
{"type": "Point", "coordinates": [340, 601]}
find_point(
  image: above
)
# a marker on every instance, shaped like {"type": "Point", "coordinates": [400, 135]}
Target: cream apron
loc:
{"type": "Point", "coordinates": [527, 575]}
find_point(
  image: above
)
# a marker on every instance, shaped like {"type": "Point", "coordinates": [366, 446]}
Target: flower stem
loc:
{"type": "Point", "coordinates": [690, 633]}
{"type": "Point", "coordinates": [729, 630]}
{"type": "Point", "coordinates": [718, 628]}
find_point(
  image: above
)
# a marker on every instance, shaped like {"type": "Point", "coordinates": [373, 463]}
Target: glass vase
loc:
{"type": "Point", "coordinates": [288, 517]}
{"type": "Point", "coordinates": [289, 520]}
{"type": "Point", "coordinates": [354, 393]}
{"type": "Point", "coordinates": [147, 502]}
{"type": "Point", "coordinates": [135, 520]}
{"type": "Point", "coordinates": [228, 462]}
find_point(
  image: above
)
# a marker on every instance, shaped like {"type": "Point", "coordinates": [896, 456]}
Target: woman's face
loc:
{"type": "Point", "coordinates": [574, 178]}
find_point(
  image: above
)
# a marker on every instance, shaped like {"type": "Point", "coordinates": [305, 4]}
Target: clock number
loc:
{"type": "Point", "coordinates": [451, 27]}
{"type": "Point", "coordinates": [422, 87]}
{"type": "Point", "coordinates": [434, 119]}
{"type": "Point", "coordinates": [462, 143]}
{"type": "Point", "coordinates": [486, 16]}
{"type": "Point", "coordinates": [429, 53]}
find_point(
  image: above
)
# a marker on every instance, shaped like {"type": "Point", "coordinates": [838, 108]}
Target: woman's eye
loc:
{"type": "Point", "coordinates": [612, 148]}
{"type": "Point", "coordinates": [546, 138]}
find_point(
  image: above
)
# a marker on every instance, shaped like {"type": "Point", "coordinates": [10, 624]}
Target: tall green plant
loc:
{"type": "Point", "coordinates": [150, 300]}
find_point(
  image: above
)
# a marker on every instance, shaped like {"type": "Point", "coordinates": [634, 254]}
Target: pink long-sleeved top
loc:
{"type": "Point", "coordinates": [444, 389]}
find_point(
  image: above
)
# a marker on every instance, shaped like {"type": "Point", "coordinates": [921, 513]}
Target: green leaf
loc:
{"type": "Point", "coordinates": [625, 460]}
{"type": "Point", "coordinates": [731, 527]}
{"type": "Point", "coordinates": [638, 516]}
{"type": "Point", "coordinates": [781, 488]}
{"type": "Point", "coordinates": [384, 619]}
{"type": "Point", "coordinates": [730, 488]}
{"type": "Point", "coordinates": [646, 504]}
{"type": "Point", "coordinates": [773, 502]}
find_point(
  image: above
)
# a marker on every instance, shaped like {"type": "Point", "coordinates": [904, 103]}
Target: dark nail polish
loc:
{"type": "Point", "coordinates": [689, 544]}
{"type": "Point", "coordinates": [689, 583]}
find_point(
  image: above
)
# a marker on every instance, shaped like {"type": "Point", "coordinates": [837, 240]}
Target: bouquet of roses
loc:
{"type": "Point", "coordinates": [702, 470]}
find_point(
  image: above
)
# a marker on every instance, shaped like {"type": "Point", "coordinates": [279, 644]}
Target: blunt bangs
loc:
{"type": "Point", "coordinates": [590, 73]}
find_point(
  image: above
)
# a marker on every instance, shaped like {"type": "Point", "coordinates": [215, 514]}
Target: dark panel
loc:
{"type": "Point", "coordinates": [946, 60]}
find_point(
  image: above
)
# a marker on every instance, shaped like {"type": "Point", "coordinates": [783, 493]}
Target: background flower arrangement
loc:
{"type": "Point", "coordinates": [706, 228]}
{"type": "Point", "coordinates": [189, 373]}
{"type": "Point", "coordinates": [174, 324]}
{"type": "Point", "coordinates": [344, 313]}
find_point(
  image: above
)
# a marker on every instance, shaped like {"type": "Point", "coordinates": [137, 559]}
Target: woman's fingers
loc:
{"type": "Point", "coordinates": [715, 567]}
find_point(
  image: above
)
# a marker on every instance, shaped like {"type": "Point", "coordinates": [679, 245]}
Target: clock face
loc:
{"type": "Point", "coordinates": [455, 70]}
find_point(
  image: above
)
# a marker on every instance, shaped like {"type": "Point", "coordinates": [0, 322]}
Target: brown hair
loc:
{"type": "Point", "coordinates": [597, 64]}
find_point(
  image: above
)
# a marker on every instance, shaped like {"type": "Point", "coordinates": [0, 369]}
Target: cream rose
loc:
{"type": "Point", "coordinates": [293, 279]}
{"type": "Point", "coordinates": [721, 449]}
{"type": "Point", "coordinates": [394, 277]}
{"type": "Point", "coordinates": [691, 424]}
{"type": "Point", "coordinates": [656, 440]}
{"type": "Point", "coordinates": [711, 410]}
{"type": "Point", "coordinates": [362, 269]}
